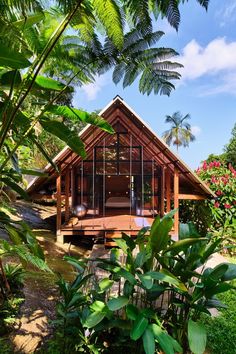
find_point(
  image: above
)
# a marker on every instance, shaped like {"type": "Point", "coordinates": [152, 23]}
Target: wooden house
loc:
{"type": "Point", "coordinates": [126, 180]}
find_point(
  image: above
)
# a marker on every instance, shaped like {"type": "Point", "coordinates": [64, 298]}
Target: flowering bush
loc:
{"type": "Point", "coordinates": [222, 181]}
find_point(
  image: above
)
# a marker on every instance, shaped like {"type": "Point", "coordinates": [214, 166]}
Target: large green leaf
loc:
{"type": "Point", "coordinates": [94, 318]}
{"type": "Point", "coordinates": [105, 284]}
{"type": "Point", "coordinates": [163, 339]}
{"type": "Point", "coordinates": [8, 77]}
{"type": "Point", "coordinates": [196, 337]}
{"type": "Point", "coordinates": [60, 130]}
{"type": "Point", "coordinates": [132, 312]}
{"type": "Point", "coordinates": [149, 341]}
{"type": "Point", "coordinates": [47, 83]}
{"type": "Point", "coordinates": [76, 115]}
{"type": "Point", "coordinates": [11, 58]}
{"type": "Point", "coordinates": [147, 280]}
{"type": "Point", "coordinates": [230, 273]}
{"type": "Point", "coordinates": [167, 277]}
{"type": "Point", "coordinates": [139, 326]}
{"type": "Point", "coordinates": [181, 245]}
{"type": "Point", "coordinates": [109, 14]}
{"type": "Point", "coordinates": [159, 235]}
{"type": "Point", "coordinates": [117, 303]}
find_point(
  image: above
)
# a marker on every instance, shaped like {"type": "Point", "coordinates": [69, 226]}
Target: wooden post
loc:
{"type": "Point", "coordinates": [176, 201]}
{"type": "Point", "coordinates": [72, 182]}
{"type": "Point", "coordinates": [168, 191]}
{"type": "Point", "coordinates": [67, 192]}
{"type": "Point", "coordinates": [162, 191]}
{"type": "Point", "coordinates": [59, 209]}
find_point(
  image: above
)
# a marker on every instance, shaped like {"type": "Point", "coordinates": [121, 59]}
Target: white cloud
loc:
{"type": "Point", "coordinates": [227, 14]}
{"type": "Point", "coordinates": [91, 90]}
{"type": "Point", "coordinates": [216, 61]}
{"type": "Point", "coordinates": [196, 130]}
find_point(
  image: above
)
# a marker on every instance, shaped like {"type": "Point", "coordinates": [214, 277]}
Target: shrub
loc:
{"type": "Point", "coordinates": [150, 299]}
{"type": "Point", "coordinates": [222, 181]}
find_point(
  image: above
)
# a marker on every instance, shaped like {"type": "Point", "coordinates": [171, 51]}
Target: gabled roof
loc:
{"type": "Point", "coordinates": [165, 154]}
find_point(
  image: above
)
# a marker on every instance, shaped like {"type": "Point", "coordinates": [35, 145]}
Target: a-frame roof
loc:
{"type": "Point", "coordinates": [155, 145]}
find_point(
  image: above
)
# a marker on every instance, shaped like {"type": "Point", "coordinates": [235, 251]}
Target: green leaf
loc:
{"type": "Point", "coordinates": [147, 280]}
{"type": "Point", "coordinates": [109, 14]}
{"type": "Point", "coordinates": [163, 339]}
{"type": "Point", "coordinates": [98, 306]}
{"type": "Point", "coordinates": [122, 244]}
{"type": "Point", "coordinates": [230, 273]}
{"type": "Point", "coordinates": [221, 288]}
{"type": "Point", "coordinates": [70, 137]}
{"type": "Point", "coordinates": [117, 303]}
{"type": "Point", "coordinates": [12, 58]}
{"type": "Point", "coordinates": [94, 318]}
{"type": "Point", "coordinates": [105, 284]}
{"type": "Point", "coordinates": [132, 312]}
{"type": "Point", "coordinates": [29, 21]}
{"type": "Point", "coordinates": [148, 341]}
{"type": "Point", "coordinates": [47, 83]}
{"type": "Point", "coordinates": [166, 276]}
{"type": "Point", "coordinates": [25, 171]}
{"type": "Point", "coordinates": [76, 115]}
{"type": "Point", "coordinates": [15, 187]}
{"type": "Point", "coordinates": [196, 337]}
{"type": "Point", "coordinates": [139, 326]}
{"type": "Point", "coordinates": [179, 246]}
{"type": "Point", "coordinates": [7, 78]}
{"type": "Point", "coordinates": [159, 235]}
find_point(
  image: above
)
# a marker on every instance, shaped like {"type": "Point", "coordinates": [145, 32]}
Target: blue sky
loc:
{"type": "Point", "coordinates": [206, 43]}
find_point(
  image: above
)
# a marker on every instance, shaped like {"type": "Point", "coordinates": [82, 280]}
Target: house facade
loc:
{"type": "Point", "coordinates": [127, 179]}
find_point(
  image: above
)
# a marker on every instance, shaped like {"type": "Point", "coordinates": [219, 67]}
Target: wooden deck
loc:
{"type": "Point", "coordinates": [107, 227]}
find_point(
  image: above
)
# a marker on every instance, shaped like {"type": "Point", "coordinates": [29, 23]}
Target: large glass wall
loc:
{"type": "Point", "coordinates": [119, 169]}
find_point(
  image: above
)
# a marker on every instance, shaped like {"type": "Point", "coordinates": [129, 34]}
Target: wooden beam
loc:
{"type": "Point", "coordinates": [72, 182]}
{"type": "Point", "coordinates": [162, 192]}
{"type": "Point", "coordinates": [58, 205]}
{"type": "Point", "coordinates": [67, 192]}
{"type": "Point", "coordinates": [176, 201]}
{"type": "Point", "coordinates": [192, 197]}
{"type": "Point", "coordinates": [168, 191]}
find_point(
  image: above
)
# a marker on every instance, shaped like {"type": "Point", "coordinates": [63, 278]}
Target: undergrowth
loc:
{"type": "Point", "coordinates": [221, 330]}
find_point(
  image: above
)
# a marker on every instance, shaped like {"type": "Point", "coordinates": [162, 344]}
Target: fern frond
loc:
{"type": "Point", "coordinates": [110, 16]}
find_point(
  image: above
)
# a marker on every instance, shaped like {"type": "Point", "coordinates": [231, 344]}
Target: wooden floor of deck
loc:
{"type": "Point", "coordinates": [115, 223]}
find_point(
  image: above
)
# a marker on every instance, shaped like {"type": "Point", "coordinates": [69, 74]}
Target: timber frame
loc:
{"type": "Point", "coordinates": [154, 178]}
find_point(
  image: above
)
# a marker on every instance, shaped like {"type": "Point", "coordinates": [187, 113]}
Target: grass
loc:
{"type": "Point", "coordinates": [221, 330]}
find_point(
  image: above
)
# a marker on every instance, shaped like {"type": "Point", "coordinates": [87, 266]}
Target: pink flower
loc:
{"type": "Point", "coordinates": [219, 192]}
{"type": "Point", "coordinates": [213, 179]}
{"type": "Point", "coordinates": [217, 204]}
{"type": "Point", "coordinates": [227, 206]}
{"type": "Point", "coordinates": [217, 163]}
{"type": "Point", "coordinates": [204, 166]}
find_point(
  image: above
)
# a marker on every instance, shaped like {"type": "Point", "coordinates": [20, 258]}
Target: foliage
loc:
{"type": "Point", "coordinates": [152, 300]}
{"type": "Point", "coordinates": [222, 181]}
{"type": "Point", "coordinates": [230, 149]}
{"type": "Point", "coordinates": [15, 275]}
{"type": "Point", "coordinates": [180, 132]}
{"type": "Point", "coordinates": [222, 328]}
{"type": "Point", "coordinates": [197, 212]}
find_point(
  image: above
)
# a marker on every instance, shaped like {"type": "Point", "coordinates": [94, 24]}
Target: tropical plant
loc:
{"type": "Point", "coordinates": [222, 181]}
{"type": "Point", "coordinates": [180, 133]}
{"type": "Point", "coordinates": [150, 299]}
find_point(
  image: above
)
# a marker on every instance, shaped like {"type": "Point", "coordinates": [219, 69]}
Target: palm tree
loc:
{"type": "Point", "coordinates": [180, 133]}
